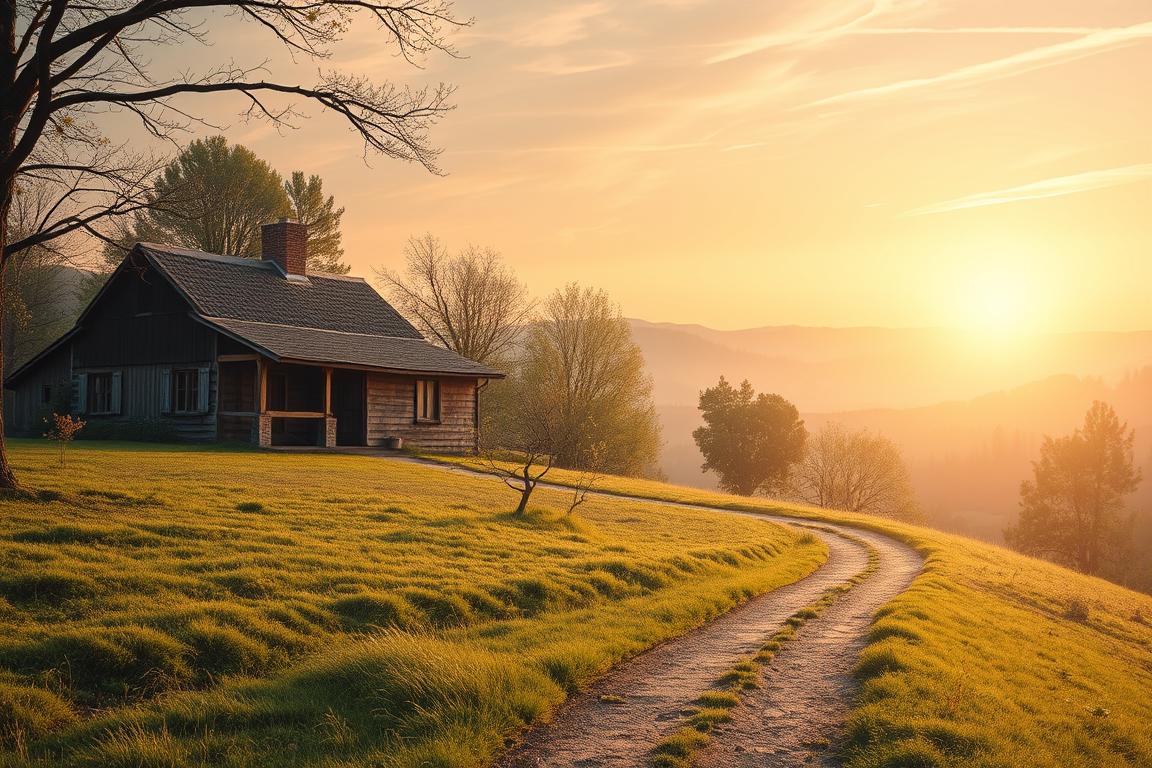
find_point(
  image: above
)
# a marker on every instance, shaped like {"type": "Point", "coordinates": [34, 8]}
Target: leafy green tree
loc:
{"type": "Point", "coordinates": [322, 217]}
{"type": "Point", "coordinates": [1073, 507]}
{"type": "Point", "coordinates": [749, 440]}
{"type": "Point", "coordinates": [213, 197]}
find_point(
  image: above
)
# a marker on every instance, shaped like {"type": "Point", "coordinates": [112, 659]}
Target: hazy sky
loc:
{"type": "Point", "coordinates": [898, 162]}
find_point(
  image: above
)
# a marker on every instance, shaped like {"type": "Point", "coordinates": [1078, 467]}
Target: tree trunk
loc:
{"type": "Point", "coordinates": [8, 127]}
{"type": "Point", "coordinates": [7, 478]}
{"type": "Point", "coordinates": [525, 492]}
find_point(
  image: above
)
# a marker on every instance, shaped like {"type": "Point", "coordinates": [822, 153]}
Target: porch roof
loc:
{"type": "Point", "coordinates": [391, 353]}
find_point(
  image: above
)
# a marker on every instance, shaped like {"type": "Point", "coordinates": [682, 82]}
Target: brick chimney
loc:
{"type": "Point", "coordinates": [286, 243]}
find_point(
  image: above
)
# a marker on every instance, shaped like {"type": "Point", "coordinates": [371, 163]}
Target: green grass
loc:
{"type": "Point", "coordinates": [174, 606]}
{"type": "Point", "coordinates": [990, 660]}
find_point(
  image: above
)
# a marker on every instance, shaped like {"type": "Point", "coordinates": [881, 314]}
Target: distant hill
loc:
{"type": "Point", "coordinates": [968, 447]}
{"type": "Point", "coordinates": [835, 369]}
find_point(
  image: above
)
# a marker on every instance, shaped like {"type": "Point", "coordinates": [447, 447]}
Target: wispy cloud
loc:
{"type": "Point", "coordinates": [560, 27]}
{"type": "Point", "coordinates": [1026, 61]}
{"type": "Point", "coordinates": [819, 28]}
{"type": "Point", "coordinates": [592, 61]}
{"type": "Point", "coordinates": [979, 30]}
{"type": "Point", "coordinates": [1039, 190]}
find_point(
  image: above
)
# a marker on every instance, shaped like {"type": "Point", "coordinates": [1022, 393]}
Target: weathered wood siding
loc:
{"type": "Point", "coordinates": [142, 401]}
{"type": "Point", "coordinates": [24, 409]}
{"type": "Point", "coordinates": [392, 413]}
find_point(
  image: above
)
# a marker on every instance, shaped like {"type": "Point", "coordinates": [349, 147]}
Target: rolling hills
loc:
{"type": "Point", "coordinates": [168, 606]}
{"type": "Point", "coordinates": [173, 606]}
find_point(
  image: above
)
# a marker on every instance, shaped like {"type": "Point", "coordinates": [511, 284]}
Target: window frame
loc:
{"type": "Point", "coordinates": [421, 401]}
{"type": "Point", "coordinates": [46, 393]}
{"type": "Point", "coordinates": [190, 391]}
{"type": "Point", "coordinates": [96, 393]}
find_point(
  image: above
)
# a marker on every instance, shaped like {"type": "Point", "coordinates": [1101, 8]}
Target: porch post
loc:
{"type": "Point", "coordinates": [329, 419]}
{"type": "Point", "coordinates": [263, 420]}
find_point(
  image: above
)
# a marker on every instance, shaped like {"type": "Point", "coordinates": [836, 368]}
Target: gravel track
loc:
{"type": "Point", "coordinates": [797, 714]}
{"type": "Point", "coordinates": [807, 689]}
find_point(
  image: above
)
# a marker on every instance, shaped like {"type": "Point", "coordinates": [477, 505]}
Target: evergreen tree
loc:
{"type": "Point", "coordinates": [322, 217]}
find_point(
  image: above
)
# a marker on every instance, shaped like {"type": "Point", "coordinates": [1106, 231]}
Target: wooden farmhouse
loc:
{"type": "Point", "coordinates": [219, 348]}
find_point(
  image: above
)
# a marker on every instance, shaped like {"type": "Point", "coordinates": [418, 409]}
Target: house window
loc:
{"type": "Point", "coordinates": [46, 394]}
{"type": "Point", "coordinates": [186, 390]}
{"type": "Point", "coordinates": [427, 400]}
{"type": "Point", "coordinates": [100, 393]}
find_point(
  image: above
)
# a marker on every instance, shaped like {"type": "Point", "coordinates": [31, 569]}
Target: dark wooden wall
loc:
{"type": "Point", "coordinates": [142, 320]}
{"type": "Point", "coordinates": [392, 413]}
{"type": "Point", "coordinates": [24, 410]}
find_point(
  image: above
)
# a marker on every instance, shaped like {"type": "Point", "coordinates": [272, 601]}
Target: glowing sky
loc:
{"type": "Point", "coordinates": [750, 163]}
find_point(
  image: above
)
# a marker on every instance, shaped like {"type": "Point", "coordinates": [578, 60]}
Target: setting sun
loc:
{"type": "Point", "coordinates": [1001, 302]}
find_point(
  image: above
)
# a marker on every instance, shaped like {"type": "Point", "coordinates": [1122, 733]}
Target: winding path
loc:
{"type": "Point", "coordinates": [798, 712]}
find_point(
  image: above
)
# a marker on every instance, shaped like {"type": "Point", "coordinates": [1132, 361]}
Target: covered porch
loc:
{"type": "Point", "coordinates": [290, 404]}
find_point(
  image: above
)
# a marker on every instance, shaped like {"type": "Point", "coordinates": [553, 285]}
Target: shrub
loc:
{"type": "Point", "coordinates": [47, 586]}
{"type": "Point", "coordinates": [28, 713]}
{"type": "Point", "coordinates": [370, 609]}
{"type": "Point", "coordinates": [1077, 610]}
{"type": "Point", "coordinates": [62, 430]}
{"type": "Point", "coordinates": [249, 506]}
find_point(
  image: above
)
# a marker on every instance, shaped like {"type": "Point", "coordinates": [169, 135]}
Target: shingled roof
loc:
{"type": "Point", "coordinates": [257, 291]}
{"type": "Point", "coordinates": [318, 318]}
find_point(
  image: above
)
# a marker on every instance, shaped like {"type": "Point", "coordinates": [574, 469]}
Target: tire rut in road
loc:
{"type": "Point", "coordinates": [797, 715]}
{"type": "Point", "coordinates": [616, 721]}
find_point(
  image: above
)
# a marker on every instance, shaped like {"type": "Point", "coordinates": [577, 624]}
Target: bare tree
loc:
{"type": "Point", "coordinates": [470, 303]}
{"type": "Point", "coordinates": [855, 471]}
{"type": "Point", "coordinates": [526, 448]}
{"type": "Point", "coordinates": [65, 63]}
{"type": "Point", "coordinates": [588, 475]}
{"type": "Point", "coordinates": [580, 356]}
{"type": "Point", "coordinates": [40, 292]}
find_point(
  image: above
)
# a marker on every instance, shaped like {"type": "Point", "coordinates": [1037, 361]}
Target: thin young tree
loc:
{"type": "Point", "coordinates": [856, 471]}
{"type": "Point", "coordinates": [470, 302]}
{"type": "Point", "coordinates": [524, 449]}
{"type": "Point", "coordinates": [1072, 508]}
{"type": "Point", "coordinates": [65, 64]}
{"type": "Point", "coordinates": [749, 440]}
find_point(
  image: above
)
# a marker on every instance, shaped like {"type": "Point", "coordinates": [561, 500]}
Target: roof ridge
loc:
{"type": "Point", "coordinates": [193, 253]}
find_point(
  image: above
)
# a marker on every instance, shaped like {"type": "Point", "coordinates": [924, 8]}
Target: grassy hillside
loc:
{"type": "Point", "coordinates": [990, 659]}
{"type": "Point", "coordinates": [175, 607]}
